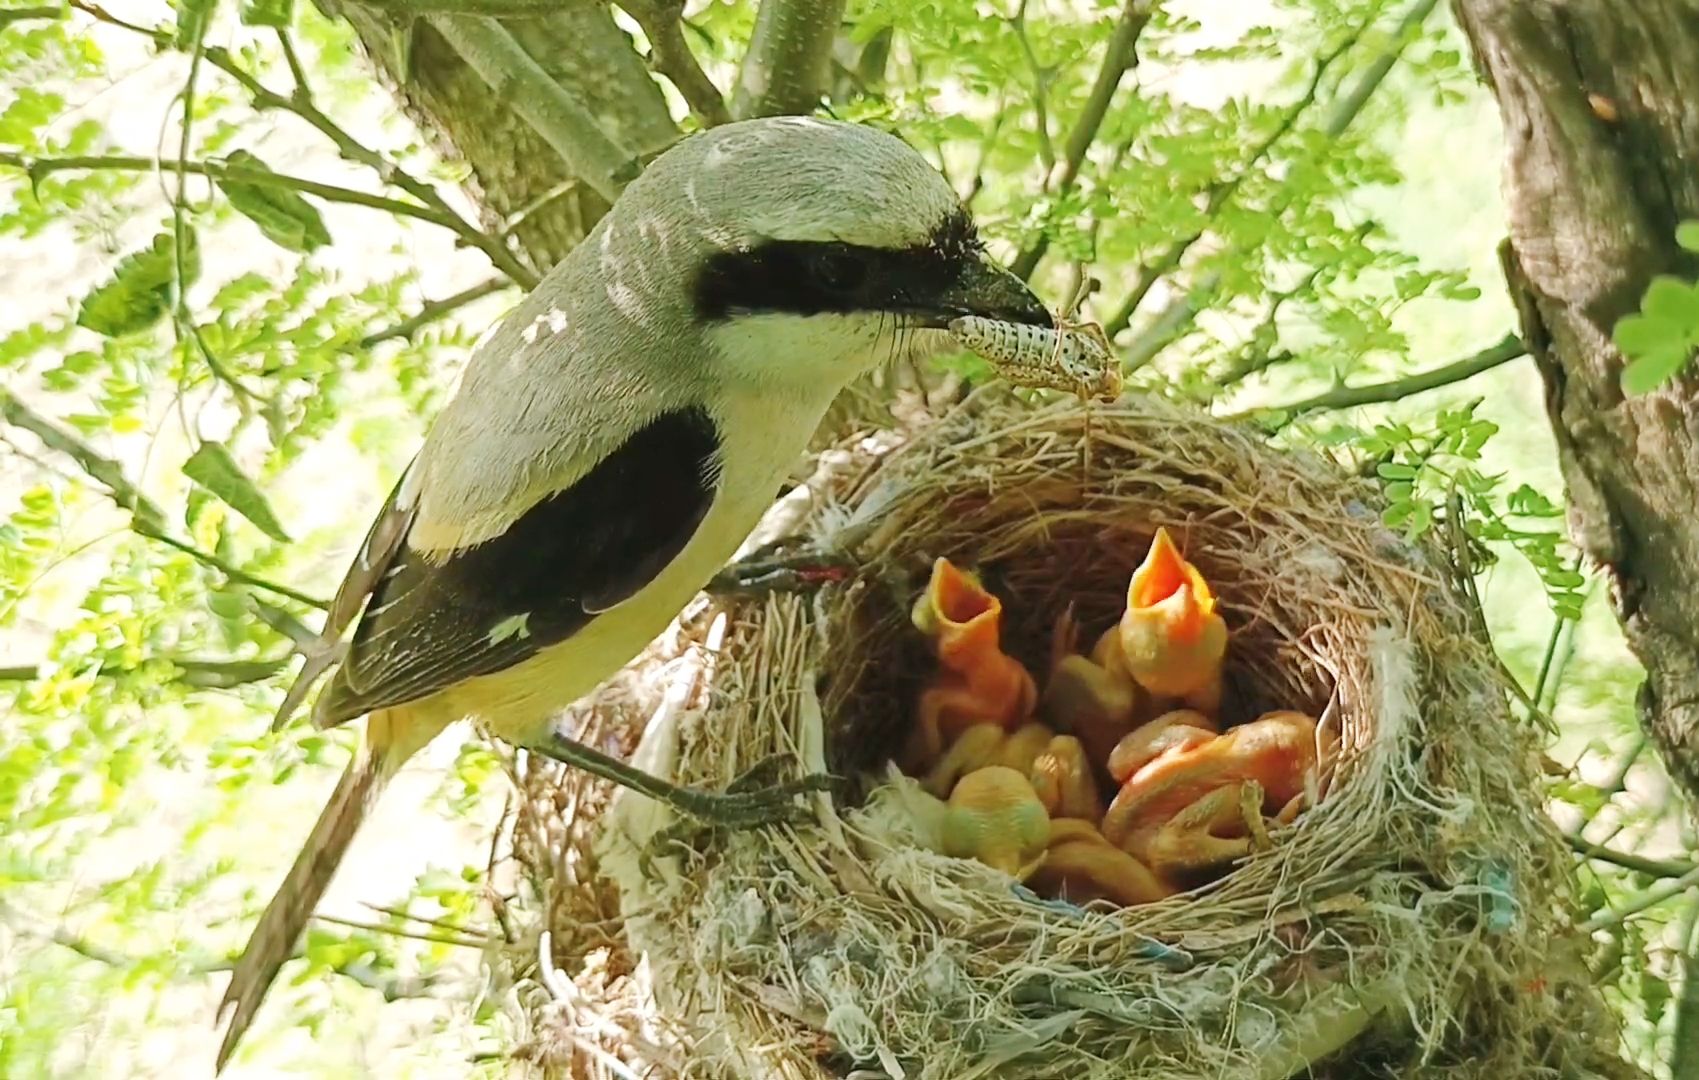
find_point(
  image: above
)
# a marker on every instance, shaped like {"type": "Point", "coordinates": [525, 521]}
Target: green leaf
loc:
{"type": "Point", "coordinates": [141, 287]}
{"type": "Point", "coordinates": [285, 217]}
{"type": "Point", "coordinates": [268, 12]}
{"type": "Point", "coordinates": [1392, 470]}
{"type": "Point", "coordinates": [213, 468]}
{"type": "Point", "coordinates": [1650, 372]}
{"type": "Point", "coordinates": [1687, 235]}
{"type": "Point", "coordinates": [1672, 300]}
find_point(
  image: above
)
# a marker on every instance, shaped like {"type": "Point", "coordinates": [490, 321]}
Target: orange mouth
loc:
{"type": "Point", "coordinates": [1165, 578]}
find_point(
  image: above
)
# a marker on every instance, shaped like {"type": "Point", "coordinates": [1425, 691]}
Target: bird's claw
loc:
{"type": "Point", "coordinates": [803, 571]}
{"type": "Point", "coordinates": [753, 799]}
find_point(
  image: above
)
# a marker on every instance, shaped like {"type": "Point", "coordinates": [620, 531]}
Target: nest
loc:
{"type": "Point", "coordinates": [1414, 923]}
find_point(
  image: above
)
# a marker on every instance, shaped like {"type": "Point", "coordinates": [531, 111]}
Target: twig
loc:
{"type": "Point", "coordinates": [201, 674]}
{"type": "Point", "coordinates": [441, 924]}
{"type": "Point", "coordinates": [1040, 90]}
{"type": "Point", "coordinates": [146, 517]}
{"type": "Point", "coordinates": [1118, 58]}
{"type": "Point", "coordinates": [1346, 397]}
{"type": "Point", "coordinates": [1684, 1054]}
{"type": "Point", "coordinates": [8, 16]}
{"type": "Point", "coordinates": [1249, 365]}
{"type": "Point", "coordinates": [301, 104]}
{"type": "Point", "coordinates": [669, 55]}
{"type": "Point", "coordinates": [1659, 868]}
{"type": "Point", "coordinates": [787, 63]}
{"type": "Point", "coordinates": [1651, 898]}
{"type": "Point", "coordinates": [464, 941]}
{"type": "Point", "coordinates": [41, 166]}
{"type": "Point", "coordinates": [514, 76]}
{"type": "Point", "coordinates": [1179, 314]}
{"type": "Point", "coordinates": [432, 310]}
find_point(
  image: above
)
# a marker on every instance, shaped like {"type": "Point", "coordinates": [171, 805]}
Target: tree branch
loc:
{"type": "Point", "coordinates": [1118, 58]}
{"type": "Point", "coordinates": [301, 104]}
{"type": "Point", "coordinates": [42, 166]}
{"type": "Point", "coordinates": [8, 16]}
{"type": "Point", "coordinates": [1659, 868]}
{"type": "Point", "coordinates": [670, 56]}
{"type": "Point", "coordinates": [786, 67]}
{"type": "Point", "coordinates": [146, 517]}
{"type": "Point", "coordinates": [1173, 320]}
{"type": "Point", "coordinates": [559, 117]}
{"type": "Point", "coordinates": [200, 674]}
{"type": "Point", "coordinates": [432, 310]}
{"type": "Point", "coordinates": [1345, 397]}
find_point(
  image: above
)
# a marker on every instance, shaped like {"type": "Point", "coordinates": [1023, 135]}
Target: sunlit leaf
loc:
{"type": "Point", "coordinates": [285, 217]}
{"type": "Point", "coordinates": [141, 288]}
{"type": "Point", "coordinates": [212, 467]}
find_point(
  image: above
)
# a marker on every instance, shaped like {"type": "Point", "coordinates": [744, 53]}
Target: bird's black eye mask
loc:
{"type": "Point", "coordinates": [813, 277]}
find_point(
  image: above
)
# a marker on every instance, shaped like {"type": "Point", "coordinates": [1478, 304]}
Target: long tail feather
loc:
{"type": "Point", "coordinates": [284, 918]}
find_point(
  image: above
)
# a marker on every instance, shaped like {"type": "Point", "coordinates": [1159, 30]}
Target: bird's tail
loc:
{"type": "Point", "coordinates": [284, 918]}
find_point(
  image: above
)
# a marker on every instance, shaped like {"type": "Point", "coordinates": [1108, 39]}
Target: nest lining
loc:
{"type": "Point", "coordinates": [1407, 923]}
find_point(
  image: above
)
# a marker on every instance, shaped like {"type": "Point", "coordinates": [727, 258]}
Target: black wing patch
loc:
{"type": "Point", "coordinates": [578, 552]}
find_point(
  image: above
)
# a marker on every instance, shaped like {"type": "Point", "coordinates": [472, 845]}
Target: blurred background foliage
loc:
{"type": "Point", "coordinates": [239, 279]}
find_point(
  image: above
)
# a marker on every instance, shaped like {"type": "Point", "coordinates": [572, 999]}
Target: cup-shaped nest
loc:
{"type": "Point", "coordinates": [1414, 923]}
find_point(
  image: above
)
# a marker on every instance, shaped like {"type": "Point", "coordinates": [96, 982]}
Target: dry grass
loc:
{"type": "Point", "coordinates": [1413, 924]}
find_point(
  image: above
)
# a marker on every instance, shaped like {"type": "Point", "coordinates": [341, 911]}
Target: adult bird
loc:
{"type": "Point", "coordinates": [611, 445]}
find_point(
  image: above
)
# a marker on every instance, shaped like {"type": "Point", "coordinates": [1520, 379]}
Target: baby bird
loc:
{"type": "Point", "coordinates": [1093, 697]}
{"type": "Point", "coordinates": [1171, 732]}
{"type": "Point", "coordinates": [1171, 638]}
{"type": "Point", "coordinates": [1173, 810]}
{"type": "Point", "coordinates": [1061, 775]}
{"type": "Point", "coordinates": [978, 682]}
{"type": "Point", "coordinates": [982, 745]}
{"type": "Point", "coordinates": [1080, 865]}
{"type": "Point", "coordinates": [994, 816]}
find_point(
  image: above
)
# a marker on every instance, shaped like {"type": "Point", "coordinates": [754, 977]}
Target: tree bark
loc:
{"type": "Point", "coordinates": [513, 170]}
{"type": "Point", "coordinates": [1602, 163]}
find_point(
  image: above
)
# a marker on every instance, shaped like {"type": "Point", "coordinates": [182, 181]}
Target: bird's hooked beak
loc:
{"type": "Point", "coordinates": [985, 289]}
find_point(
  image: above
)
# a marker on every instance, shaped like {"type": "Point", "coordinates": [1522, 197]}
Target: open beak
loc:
{"type": "Point", "coordinates": [983, 288]}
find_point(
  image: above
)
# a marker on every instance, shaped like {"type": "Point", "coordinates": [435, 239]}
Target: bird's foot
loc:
{"type": "Point", "coordinates": [1250, 810]}
{"type": "Point", "coordinates": [754, 798]}
{"type": "Point", "coordinates": [783, 568]}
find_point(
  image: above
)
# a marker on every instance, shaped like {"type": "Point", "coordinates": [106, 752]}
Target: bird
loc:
{"type": "Point", "coordinates": [994, 816]}
{"type": "Point", "coordinates": [1171, 638]}
{"type": "Point", "coordinates": [1172, 732]}
{"type": "Point", "coordinates": [1093, 697]}
{"type": "Point", "coordinates": [1172, 811]}
{"type": "Point", "coordinates": [982, 745]}
{"type": "Point", "coordinates": [611, 444]}
{"type": "Point", "coordinates": [1079, 865]}
{"type": "Point", "coordinates": [977, 682]}
{"type": "Point", "coordinates": [1062, 775]}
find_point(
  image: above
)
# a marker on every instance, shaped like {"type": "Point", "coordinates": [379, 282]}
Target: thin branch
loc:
{"type": "Point", "coordinates": [1178, 315]}
{"type": "Point", "coordinates": [465, 941]}
{"type": "Point", "coordinates": [1658, 868]}
{"type": "Point", "coordinates": [669, 56]}
{"type": "Point", "coordinates": [146, 517]}
{"type": "Point", "coordinates": [432, 310]}
{"type": "Point", "coordinates": [200, 674]}
{"type": "Point", "coordinates": [301, 104]}
{"type": "Point", "coordinates": [1040, 90]}
{"type": "Point", "coordinates": [1118, 58]}
{"type": "Point", "coordinates": [1345, 397]}
{"type": "Point", "coordinates": [1684, 1054]}
{"type": "Point", "coordinates": [8, 16]}
{"type": "Point", "coordinates": [1266, 331]}
{"type": "Point", "coordinates": [1651, 898]}
{"type": "Point", "coordinates": [787, 64]}
{"type": "Point", "coordinates": [514, 75]}
{"type": "Point", "coordinates": [38, 167]}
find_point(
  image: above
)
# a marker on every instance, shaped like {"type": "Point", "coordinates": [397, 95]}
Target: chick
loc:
{"type": "Point", "coordinates": [1093, 697]}
{"type": "Point", "coordinates": [977, 682]}
{"type": "Point", "coordinates": [1061, 775]}
{"type": "Point", "coordinates": [982, 745]}
{"type": "Point", "coordinates": [994, 816]}
{"type": "Point", "coordinates": [1080, 865]}
{"type": "Point", "coordinates": [1170, 637]}
{"type": "Point", "coordinates": [1171, 732]}
{"type": "Point", "coordinates": [1172, 811]}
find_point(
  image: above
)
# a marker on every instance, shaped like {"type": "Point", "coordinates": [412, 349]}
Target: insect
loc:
{"type": "Point", "coordinates": [1070, 356]}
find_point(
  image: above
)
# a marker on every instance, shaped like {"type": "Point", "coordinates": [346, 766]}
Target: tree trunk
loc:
{"type": "Point", "coordinates": [513, 169]}
{"type": "Point", "coordinates": [1602, 162]}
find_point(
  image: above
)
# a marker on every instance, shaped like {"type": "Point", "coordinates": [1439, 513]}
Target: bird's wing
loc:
{"type": "Point", "coordinates": [433, 619]}
{"type": "Point", "coordinates": [377, 552]}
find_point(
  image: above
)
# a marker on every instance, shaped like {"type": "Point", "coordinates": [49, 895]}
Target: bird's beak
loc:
{"type": "Point", "coordinates": [983, 288]}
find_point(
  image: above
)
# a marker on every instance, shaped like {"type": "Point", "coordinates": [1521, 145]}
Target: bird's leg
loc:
{"type": "Point", "coordinates": [750, 800]}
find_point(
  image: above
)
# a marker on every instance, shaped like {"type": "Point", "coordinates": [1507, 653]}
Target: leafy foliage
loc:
{"type": "Point", "coordinates": [1659, 340]}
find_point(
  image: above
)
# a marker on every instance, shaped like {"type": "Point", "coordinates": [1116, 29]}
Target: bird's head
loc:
{"type": "Point", "coordinates": [822, 248]}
